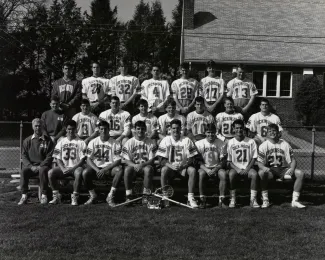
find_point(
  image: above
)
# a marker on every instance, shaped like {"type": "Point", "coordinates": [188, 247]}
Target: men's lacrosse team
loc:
{"type": "Point", "coordinates": [191, 130]}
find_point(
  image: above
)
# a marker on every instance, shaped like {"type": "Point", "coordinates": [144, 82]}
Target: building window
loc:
{"type": "Point", "coordinates": [273, 84]}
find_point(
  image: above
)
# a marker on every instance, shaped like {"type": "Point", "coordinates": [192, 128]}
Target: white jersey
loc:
{"type": "Point", "coordinates": [176, 151]}
{"type": "Point", "coordinates": [150, 120]}
{"type": "Point", "coordinates": [212, 153]}
{"type": "Point", "coordinates": [117, 122]}
{"type": "Point", "coordinates": [241, 91]}
{"type": "Point", "coordinates": [258, 123]}
{"type": "Point", "coordinates": [197, 123]}
{"type": "Point", "coordinates": [212, 88]}
{"type": "Point", "coordinates": [164, 123]}
{"type": "Point", "coordinates": [240, 153]}
{"type": "Point", "coordinates": [124, 86]}
{"type": "Point", "coordinates": [185, 90]}
{"type": "Point", "coordinates": [275, 155]}
{"type": "Point", "coordinates": [103, 153]}
{"type": "Point", "coordinates": [95, 88]}
{"type": "Point", "coordinates": [70, 152]}
{"type": "Point", "coordinates": [86, 124]}
{"type": "Point", "coordinates": [224, 123]}
{"type": "Point", "coordinates": [155, 92]}
{"type": "Point", "coordinates": [139, 151]}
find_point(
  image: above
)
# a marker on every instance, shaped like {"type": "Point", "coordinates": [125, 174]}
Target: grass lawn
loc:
{"type": "Point", "coordinates": [306, 135]}
{"type": "Point", "coordinates": [99, 232]}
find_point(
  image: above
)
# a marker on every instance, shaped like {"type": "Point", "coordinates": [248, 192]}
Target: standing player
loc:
{"type": "Point", "coordinates": [103, 160]}
{"type": "Point", "coordinates": [242, 91]}
{"type": "Point", "coordinates": [70, 155]}
{"type": "Point", "coordinates": [150, 120]}
{"type": "Point", "coordinates": [213, 159]}
{"type": "Point", "coordinates": [95, 89]}
{"type": "Point", "coordinates": [86, 122]}
{"type": "Point", "coordinates": [198, 120]}
{"type": "Point", "coordinates": [68, 91]}
{"type": "Point", "coordinates": [225, 120]}
{"type": "Point", "coordinates": [139, 154]}
{"type": "Point", "coordinates": [125, 87]}
{"type": "Point", "coordinates": [242, 154]}
{"type": "Point", "coordinates": [155, 91]}
{"type": "Point", "coordinates": [258, 123]}
{"type": "Point", "coordinates": [275, 160]}
{"type": "Point", "coordinates": [164, 120]}
{"type": "Point", "coordinates": [119, 121]}
{"type": "Point", "coordinates": [213, 88]}
{"type": "Point", "coordinates": [185, 90]}
{"type": "Point", "coordinates": [177, 156]}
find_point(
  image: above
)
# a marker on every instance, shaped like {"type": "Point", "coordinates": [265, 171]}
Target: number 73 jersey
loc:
{"type": "Point", "coordinates": [240, 153]}
{"type": "Point", "coordinates": [70, 152]}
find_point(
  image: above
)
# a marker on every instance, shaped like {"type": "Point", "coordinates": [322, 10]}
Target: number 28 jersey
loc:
{"type": "Point", "coordinates": [103, 153]}
{"type": "Point", "coordinates": [95, 88]}
{"type": "Point", "coordinates": [240, 153]}
{"type": "Point", "coordinates": [70, 152]}
{"type": "Point", "coordinates": [139, 151]}
{"type": "Point", "coordinates": [185, 90]}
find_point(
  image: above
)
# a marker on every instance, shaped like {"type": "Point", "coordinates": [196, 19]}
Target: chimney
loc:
{"type": "Point", "coordinates": [189, 14]}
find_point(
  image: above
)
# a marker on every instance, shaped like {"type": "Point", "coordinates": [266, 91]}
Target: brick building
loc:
{"type": "Point", "coordinates": [280, 41]}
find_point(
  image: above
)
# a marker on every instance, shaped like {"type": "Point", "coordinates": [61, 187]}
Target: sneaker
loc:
{"type": "Point", "coordinates": [203, 203]}
{"type": "Point", "coordinates": [297, 204]}
{"type": "Point", "coordinates": [110, 200]}
{"type": "Point", "coordinates": [192, 203]}
{"type": "Point", "coordinates": [91, 200]}
{"type": "Point", "coordinates": [232, 203]}
{"type": "Point", "coordinates": [74, 199]}
{"type": "Point", "coordinates": [23, 199]}
{"type": "Point", "coordinates": [144, 200]}
{"type": "Point", "coordinates": [44, 199]}
{"type": "Point", "coordinates": [254, 204]}
{"type": "Point", "coordinates": [222, 204]}
{"type": "Point", "coordinates": [265, 204]}
{"type": "Point", "coordinates": [165, 203]}
{"type": "Point", "coordinates": [56, 199]}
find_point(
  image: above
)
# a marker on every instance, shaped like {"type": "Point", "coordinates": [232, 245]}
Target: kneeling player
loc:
{"type": "Point", "coordinates": [213, 158]}
{"type": "Point", "coordinates": [103, 159]}
{"type": "Point", "coordinates": [242, 154]}
{"type": "Point", "coordinates": [275, 160]}
{"type": "Point", "coordinates": [177, 154]}
{"type": "Point", "coordinates": [70, 155]}
{"type": "Point", "coordinates": [139, 154]}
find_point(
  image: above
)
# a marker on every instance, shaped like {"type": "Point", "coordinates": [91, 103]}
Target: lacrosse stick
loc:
{"type": "Point", "coordinates": [137, 190]}
{"type": "Point", "coordinates": [165, 193]}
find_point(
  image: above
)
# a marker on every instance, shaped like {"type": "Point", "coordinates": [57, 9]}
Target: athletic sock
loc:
{"type": "Point", "coordinates": [128, 192]}
{"type": "Point", "coordinates": [221, 197]}
{"type": "Point", "coordinates": [55, 192]}
{"type": "Point", "coordinates": [253, 194]}
{"type": "Point", "coordinates": [190, 196]}
{"type": "Point", "coordinates": [146, 191]}
{"type": "Point", "coordinates": [232, 194]}
{"type": "Point", "coordinates": [112, 191]}
{"type": "Point", "coordinates": [295, 196]}
{"type": "Point", "coordinates": [265, 195]}
{"type": "Point", "coordinates": [92, 193]}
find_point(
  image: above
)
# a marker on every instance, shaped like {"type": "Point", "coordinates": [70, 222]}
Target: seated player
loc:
{"type": "Point", "coordinates": [86, 122]}
{"type": "Point", "coordinates": [37, 159]}
{"type": "Point", "coordinates": [275, 160]}
{"type": "Point", "coordinates": [119, 121]}
{"type": "Point", "coordinates": [225, 120]}
{"type": "Point", "coordinates": [164, 120]}
{"type": "Point", "coordinates": [177, 156]}
{"type": "Point", "coordinates": [150, 120]}
{"type": "Point", "coordinates": [258, 123]}
{"type": "Point", "coordinates": [138, 154]}
{"type": "Point", "coordinates": [213, 162]}
{"type": "Point", "coordinates": [242, 154]}
{"type": "Point", "coordinates": [70, 155]}
{"type": "Point", "coordinates": [198, 120]}
{"type": "Point", "coordinates": [213, 88]}
{"type": "Point", "coordinates": [103, 160]}
{"type": "Point", "coordinates": [155, 91]}
{"type": "Point", "coordinates": [185, 90]}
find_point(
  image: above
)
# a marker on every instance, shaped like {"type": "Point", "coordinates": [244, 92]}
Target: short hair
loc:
{"type": "Point", "coordinates": [142, 102]}
{"type": "Point", "coordinates": [211, 64]}
{"type": "Point", "coordinates": [68, 64]}
{"type": "Point", "coordinates": [124, 60]}
{"type": "Point", "coordinates": [185, 65]}
{"type": "Point", "coordinates": [155, 65]}
{"type": "Point", "coordinates": [115, 98]}
{"type": "Point", "coordinates": [37, 119]}
{"type": "Point", "coordinates": [103, 123]}
{"type": "Point", "coordinates": [176, 122]}
{"type": "Point", "coordinates": [199, 99]}
{"type": "Point", "coordinates": [211, 128]}
{"type": "Point", "coordinates": [71, 122]}
{"type": "Point", "coordinates": [273, 126]}
{"type": "Point", "coordinates": [55, 98]}
{"type": "Point", "coordinates": [171, 102]}
{"type": "Point", "coordinates": [264, 100]}
{"type": "Point", "coordinates": [229, 99]}
{"type": "Point", "coordinates": [95, 62]}
{"type": "Point", "coordinates": [238, 122]}
{"type": "Point", "coordinates": [241, 66]}
{"type": "Point", "coordinates": [85, 102]}
{"type": "Point", "coordinates": [140, 124]}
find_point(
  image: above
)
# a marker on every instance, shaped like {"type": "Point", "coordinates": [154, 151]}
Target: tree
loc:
{"type": "Point", "coordinates": [309, 100]}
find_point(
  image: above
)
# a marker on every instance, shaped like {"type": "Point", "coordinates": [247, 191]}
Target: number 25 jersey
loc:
{"type": "Point", "coordinates": [139, 151]}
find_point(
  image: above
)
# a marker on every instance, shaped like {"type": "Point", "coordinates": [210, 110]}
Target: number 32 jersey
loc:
{"type": "Point", "coordinates": [70, 152]}
{"type": "Point", "coordinates": [103, 153]}
{"type": "Point", "coordinates": [139, 151]}
{"type": "Point", "coordinates": [124, 86]}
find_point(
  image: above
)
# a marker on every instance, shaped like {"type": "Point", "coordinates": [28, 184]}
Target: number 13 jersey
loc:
{"type": "Point", "coordinates": [241, 91]}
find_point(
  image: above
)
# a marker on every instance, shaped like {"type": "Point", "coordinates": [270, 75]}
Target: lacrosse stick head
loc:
{"type": "Point", "coordinates": [166, 191]}
{"type": "Point", "coordinates": [154, 202]}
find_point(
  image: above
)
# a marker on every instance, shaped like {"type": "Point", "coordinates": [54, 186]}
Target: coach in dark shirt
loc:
{"type": "Point", "coordinates": [37, 159]}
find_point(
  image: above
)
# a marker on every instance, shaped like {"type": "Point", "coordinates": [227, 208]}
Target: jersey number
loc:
{"type": "Point", "coordinates": [156, 92]}
{"type": "Point", "coordinates": [70, 153]}
{"type": "Point", "coordinates": [115, 124]}
{"type": "Point", "coordinates": [100, 155]}
{"type": "Point", "coordinates": [275, 161]}
{"type": "Point", "coordinates": [175, 155]}
{"type": "Point", "coordinates": [227, 129]}
{"type": "Point", "coordinates": [241, 155]}
{"type": "Point", "coordinates": [186, 93]}
{"type": "Point", "coordinates": [263, 131]}
{"type": "Point", "coordinates": [124, 89]}
{"type": "Point", "coordinates": [84, 130]}
{"type": "Point", "coordinates": [243, 93]}
{"type": "Point", "coordinates": [95, 88]}
{"type": "Point", "coordinates": [211, 93]}
{"type": "Point", "coordinates": [198, 129]}
{"type": "Point", "coordinates": [140, 157]}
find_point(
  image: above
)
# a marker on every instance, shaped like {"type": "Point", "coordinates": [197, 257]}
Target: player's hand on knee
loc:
{"type": "Point", "coordinates": [100, 173]}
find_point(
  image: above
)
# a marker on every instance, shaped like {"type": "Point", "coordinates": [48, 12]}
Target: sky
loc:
{"type": "Point", "coordinates": [125, 8]}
